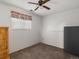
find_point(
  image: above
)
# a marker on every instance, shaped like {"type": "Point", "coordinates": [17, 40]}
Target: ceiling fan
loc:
{"type": "Point", "coordinates": [40, 3]}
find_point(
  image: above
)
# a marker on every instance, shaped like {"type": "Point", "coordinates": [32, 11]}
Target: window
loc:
{"type": "Point", "coordinates": [21, 21]}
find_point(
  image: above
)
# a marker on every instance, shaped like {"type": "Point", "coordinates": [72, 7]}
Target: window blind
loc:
{"type": "Point", "coordinates": [21, 21]}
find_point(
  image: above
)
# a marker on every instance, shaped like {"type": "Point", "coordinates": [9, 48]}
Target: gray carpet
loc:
{"type": "Point", "coordinates": [42, 51]}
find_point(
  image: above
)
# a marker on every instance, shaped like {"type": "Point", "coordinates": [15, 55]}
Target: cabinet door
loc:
{"type": "Point", "coordinates": [4, 43]}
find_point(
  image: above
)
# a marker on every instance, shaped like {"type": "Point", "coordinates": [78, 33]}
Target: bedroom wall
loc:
{"type": "Point", "coordinates": [19, 39]}
{"type": "Point", "coordinates": [53, 26]}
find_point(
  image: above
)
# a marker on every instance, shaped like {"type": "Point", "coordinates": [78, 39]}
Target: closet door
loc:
{"type": "Point", "coordinates": [71, 39]}
{"type": "Point", "coordinates": [4, 43]}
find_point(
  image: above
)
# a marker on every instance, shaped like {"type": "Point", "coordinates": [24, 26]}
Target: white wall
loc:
{"type": "Point", "coordinates": [19, 39]}
{"type": "Point", "coordinates": [53, 26]}
{"type": "Point", "coordinates": [52, 29]}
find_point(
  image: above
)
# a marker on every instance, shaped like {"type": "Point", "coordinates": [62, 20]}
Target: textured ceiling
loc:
{"type": "Point", "coordinates": [55, 5]}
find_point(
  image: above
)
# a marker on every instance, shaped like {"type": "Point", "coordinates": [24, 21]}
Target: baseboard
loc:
{"type": "Point", "coordinates": [36, 45]}
{"type": "Point", "coordinates": [25, 48]}
{"type": "Point", "coordinates": [53, 45]}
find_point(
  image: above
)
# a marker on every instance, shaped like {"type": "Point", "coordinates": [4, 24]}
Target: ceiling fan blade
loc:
{"type": "Point", "coordinates": [45, 1]}
{"type": "Point", "coordinates": [46, 7]}
{"type": "Point", "coordinates": [33, 3]}
{"type": "Point", "coordinates": [36, 8]}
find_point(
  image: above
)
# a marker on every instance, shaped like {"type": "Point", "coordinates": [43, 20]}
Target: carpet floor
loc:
{"type": "Point", "coordinates": [42, 51]}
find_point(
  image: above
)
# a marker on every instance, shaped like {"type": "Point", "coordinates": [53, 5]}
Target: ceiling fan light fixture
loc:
{"type": "Point", "coordinates": [40, 3]}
